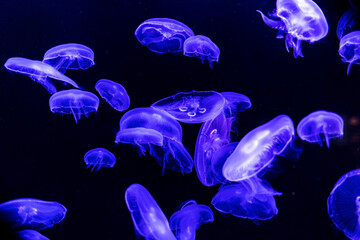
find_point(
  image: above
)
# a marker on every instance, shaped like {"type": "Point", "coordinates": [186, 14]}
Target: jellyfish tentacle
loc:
{"type": "Point", "coordinates": [277, 24]}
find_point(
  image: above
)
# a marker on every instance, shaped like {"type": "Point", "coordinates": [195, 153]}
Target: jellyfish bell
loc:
{"type": "Point", "coordinates": [114, 93]}
{"type": "Point", "coordinates": [29, 235]}
{"type": "Point", "coordinates": [235, 103]}
{"type": "Point", "coordinates": [98, 158]}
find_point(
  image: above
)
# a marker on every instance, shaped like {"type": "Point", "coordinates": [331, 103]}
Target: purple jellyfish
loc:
{"type": "Point", "coordinates": [98, 158]}
{"type": "Point", "coordinates": [114, 93]}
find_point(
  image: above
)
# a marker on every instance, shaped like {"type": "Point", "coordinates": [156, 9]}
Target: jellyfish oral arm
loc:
{"type": "Point", "coordinates": [276, 24]}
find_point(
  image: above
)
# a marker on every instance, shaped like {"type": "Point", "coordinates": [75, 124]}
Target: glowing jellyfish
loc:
{"type": "Point", "coordinates": [218, 160]}
{"type": "Point", "coordinates": [149, 221]}
{"type": "Point", "coordinates": [235, 103]}
{"type": "Point", "coordinates": [344, 204]}
{"type": "Point", "coordinates": [258, 148]}
{"type": "Point", "coordinates": [202, 47]}
{"type": "Point", "coordinates": [156, 131]}
{"type": "Point", "coordinates": [69, 56]}
{"type": "Point", "coordinates": [75, 102]}
{"type": "Point", "coordinates": [29, 235]}
{"type": "Point", "coordinates": [29, 213]}
{"type": "Point", "coordinates": [114, 93]}
{"type": "Point", "coordinates": [163, 35]}
{"type": "Point", "coordinates": [188, 219]}
{"type": "Point", "coordinates": [320, 126]}
{"type": "Point", "coordinates": [98, 158]}
{"type": "Point", "coordinates": [299, 20]}
{"type": "Point", "coordinates": [192, 107]}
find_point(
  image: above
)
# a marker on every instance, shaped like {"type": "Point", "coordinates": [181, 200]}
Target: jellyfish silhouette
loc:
{"type": "Point", "coordinates": [298, 20]}
{"type": "Point", "coordinates": [98, 158]}
{"type": "Point", "coordinates": [114, 93]}
{"type": "Point", "coordinates": [29, 235]}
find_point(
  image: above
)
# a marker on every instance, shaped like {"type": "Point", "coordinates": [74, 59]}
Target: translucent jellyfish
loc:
{"type": "Point", "coordinates": [163, 35]}
{"type": "Point", "coordinates": [75, 102]}
{"type": "Point", "coordinates": [98, 158]}
{"type": "Point", "coordinates": [192, 107]}
{"type": "Point", "coordinates": [298, 20]}
{"type": "Point", "coordinates": [252, 198]}
{"type": "Point", "coordinates": [320, 126]}
{"type": "Point", "coordinates": [218, 160]}
{"type": "Point", "coordinates": [235, 103]}
{"type": "Point", "coordinates": [69, 56]}
{"type": "Point", "coordinates": [188, 219]}
{"type": "Point", "coordinates": [38, 71]}
{"type": "Point", "coordinates": [29, 213]}
{"type": "Point", "coordinates": [149, 221]}
{"type": "Point", "coordinates": [202, 47]}
{"type": "Point", "coordinates": [258, 148]}
{"type": "Point", "coordinates": [114, 93]}
{"type": "Point", "coordinates": [344, 204]}
{"type": "Point", "coordinates": [156, 131]}
{"type": "Point", "coordinates": [29, 235]}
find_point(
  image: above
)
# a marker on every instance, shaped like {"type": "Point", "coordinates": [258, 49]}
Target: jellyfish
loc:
{"type": "Point", "coordinates": [149, 221]}
{"type": "Point", "coordinates": [33, 214]}
{"type": "Point", "coordinates": [29, 235]}
{"type": "Point", "coordinates": [69, 56]}
{"type": "Point", "coordinates": [188, 219]}
{"type": "Point", "coordinates": [38, 71]}
{"type": "Point", "coordinates": [192, 107]}
{"type": "Point", "coordinates": [319, 126]}
{"type": "Point", "coordinates": [235, 103]}
{"type": "Point", "coordinates": [75, 102]}
{"type": "Point", "coordinates": [163, 35]}
{"type": "Point", "coordinates": [202, 47]}
{"type": "Point", "coordinates": [99, 157]}
{"type": "Point", "coordinates": [298, 20]}
{"type": "Point", "coordinates": [114, 93]}
{"type": "Point", "coordinates": [257, 149]}
{"type": "Point", "coordinates": [156, 131]}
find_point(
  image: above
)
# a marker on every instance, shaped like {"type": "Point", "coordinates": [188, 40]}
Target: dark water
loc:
{"type": "Point", "coordinates": [42, 153]}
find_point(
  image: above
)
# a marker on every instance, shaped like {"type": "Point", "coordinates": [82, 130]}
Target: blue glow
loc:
{"type": "Point", "coordinates": [30, 235]}
{"type": "Point", "coordinates": [235, 103]}
{"type": "Point", "coordinates": [114, 93]}
{"type": "Point", "coordinates": [98, 158]}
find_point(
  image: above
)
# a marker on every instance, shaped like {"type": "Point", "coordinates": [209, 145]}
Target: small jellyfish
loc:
{"type": "Point", "coordinates": [75, 102]}
{"type": "Point", "coordinates": [149, 221]}
{"type": "Point", "coordinates": [192, 107]}
{"type": "Point", "coordinates": [235, 103]}
{"type": "Point", "coordinates": [202, 47]}
{"type": "Point", "coordinates": [258, 148]}
{"type": "Point", "coordinates": [98, 158]}
{"type": "Point", "coordinates": [188, 219]}
{"type": "Point", "coordinates": [69, 56]}
{"type": "Point", "coordinates": [163, 35]}
{"type": "Point", "coordinates": [114, 93]}
{"type": "Point", "coordinates": [344, 204]}
{"type": "Point", "coordinates": [29, 213]}
{"type": "Point", "coordinates": [299, 20]}
{"type": "Point", "coordinates": [319, 126]}
{"type": "Point", "coordinates": [29, 235]}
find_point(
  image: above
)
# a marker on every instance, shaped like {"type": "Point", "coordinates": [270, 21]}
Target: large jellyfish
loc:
{"type": "Point", "coordinates": [298, 20]}
{"type": "Point", "coordinates": [114, 93]}
{"type": "Point", "coordinates": [149, 221]}
{"type": "Point", "coordinates": [29, 235]}
{"type": "Point", "coordinates": [98, 158]}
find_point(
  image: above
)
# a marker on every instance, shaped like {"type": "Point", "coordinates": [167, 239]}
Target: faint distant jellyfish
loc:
{"type": "Point", "coordinates": [69, 56]}
{"type": "Point", "coordinates": [98, 158]}
{"type": "Point", "coordinates": [235, 103]}
{"type": "Point", "coordinates": [149, 221]}
{"type": "Point", "coordinates": [188, 219]}
{"type": "Point", "coordinates": [258, 148]}
{"type": "Point", "coordinates": [114, 93]}
{"type": "Point", "coordinates": [202, 47]}
{"type": "Point", "coordinates": [192, 107]}
{"type": "Point", "coordinates": [298, 20]}
{"type": "Point", "coordinates": [29, 235]}
{"type": "Point", "coordinates": [29, 213]}
{"type": "Point", "coordinates": [320, 126]}
{"type": "Point", "coordinates": [163, 35]}
{"type": "Point", "coordinates": [75, 102]}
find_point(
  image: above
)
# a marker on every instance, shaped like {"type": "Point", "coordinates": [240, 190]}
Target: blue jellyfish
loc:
{"type": "Point", "coordinates": [29, 235]}
{"type": "Point", "coordinates": [192, 107]}
{"type": "Point", "coordinates": [149, 221]}
{"type": "Point", "coordinates": [98, 158]}
{"type": "Point", "coordinates": [298, 20]}
{"type": "Point", "coordinates": [235, 103]}
{"type": "Point", "coordinates": [258, 148]}
{"type": "Point", "coordinates": [188, 219]}
{"type": "Point", "coordinates": [156, 131]}
{"type": "Point", "coordinates": [38, 71]}
{"type": "Point", "coordinates": [163, 35]}
{"type": "Point", "coordinates": [29, 213]}
{"type": "Point", "coordinates": [69, 56]}
{"type": "Point", "coordinates": [218, 160]}
{"type": "Point", "coordinates": [114, 93]}
{"type": "Point", "coordinates": [75, 102]}
{"type": "Point", "coordinates": [202, 47]}
{"type": "Point", "coordinates": [344, 204]}
{"type": "Point", "coordinates": [319, 126]}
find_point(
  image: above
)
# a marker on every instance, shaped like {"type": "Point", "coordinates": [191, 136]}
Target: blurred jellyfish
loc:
{"type": "Point", "coordinates": [218, 160]}
{"type": "Point", "coordinates": [235, 103]}
{"type": "Point", "coordinates": [29, 235]}
{"type": "Point", "coordinates": [98, 158]}
{"type": "Point", "coordinates": [149, 221]}
{"type": "Point", "coordinates": [75, 102]}
{"type": "Point", "coordinates": [163, 35]}
{"type": "Point", "coordinates": [114, 93]}
{"type": "Point", "coordinates": [188, 219]}
{"type": "Point", "coordinates": [319, 126]}
{"type": "Point", "coordinates": [298, 20]}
